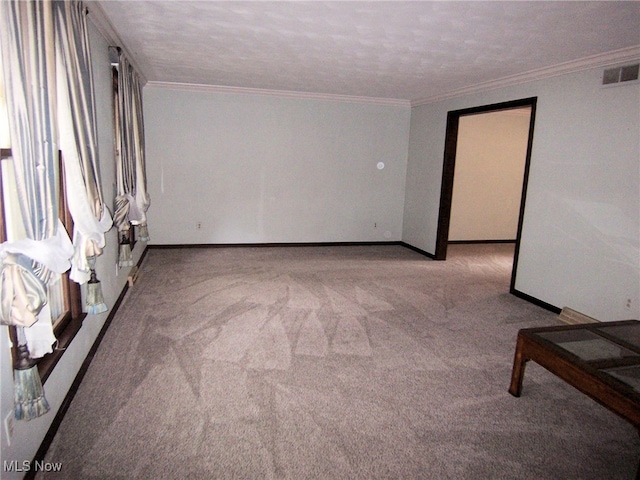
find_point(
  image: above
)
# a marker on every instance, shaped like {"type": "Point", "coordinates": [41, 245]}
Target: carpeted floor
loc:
{"type": "Point", "coordinates": [351, 362]}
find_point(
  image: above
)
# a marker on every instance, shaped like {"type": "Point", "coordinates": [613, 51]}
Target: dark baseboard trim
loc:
{"type": "Point", "coordinates": [535, 301]}
{"type": "Point", "coordinates": [467, 242]}
{"type": "Point", "coordinates": [292, 244]}
{"type": "Point", "coordinates": [416, 249]}
{"type": "Point", "coordinates": [66, 403]}
{"type": "Point", "coordinates": [266, 245]}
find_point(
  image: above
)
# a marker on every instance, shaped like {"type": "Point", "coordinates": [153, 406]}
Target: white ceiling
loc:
{"type": "Point", "coordinates": [406, 50]}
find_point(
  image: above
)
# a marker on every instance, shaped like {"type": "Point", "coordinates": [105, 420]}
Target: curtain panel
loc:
{"type": "Point", "coordinates": [29, 67]}
{"type": "Point", "coordinates": [28, 56]}
{"type": "Point", "coordinates": [78, 137]}
{"type": "Point", "coordinates": [132, 199]}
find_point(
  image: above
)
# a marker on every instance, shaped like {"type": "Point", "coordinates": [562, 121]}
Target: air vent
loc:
{"type": "Point", "coordinates": [627, 73]}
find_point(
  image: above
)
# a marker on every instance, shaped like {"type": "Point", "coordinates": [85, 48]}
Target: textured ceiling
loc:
{"type": "Point", "coordinates": [393, 50]}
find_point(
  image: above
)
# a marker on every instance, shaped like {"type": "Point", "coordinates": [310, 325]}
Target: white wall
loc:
{"type": "Point", "coordinates": [580, 243]}
{"type": "Point", "coordinates": [29, 435]}
{"type": "Point", "coordinates": [257, 169]}
{"type": "Point", "coordinates": [489, 171]}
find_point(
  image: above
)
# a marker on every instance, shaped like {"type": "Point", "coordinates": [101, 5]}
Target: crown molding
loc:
{"type": "Point", "coordinates": [194, 87]}
{"type": "Point", "coordinates": [101, 21]}
{"type": "Point", "coordinates": [105, 27]}
{"type": "Point", "coordinates": [601, 60]}
{"type": "Point", "coordinates": [595, 61]}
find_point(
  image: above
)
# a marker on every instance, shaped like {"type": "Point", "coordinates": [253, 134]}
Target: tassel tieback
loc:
{"type": "Point", "coordinates": [29, 399]}
{"type": "Point", "coordinates": [125, 258]}
{"type": "Point", "coordinates": [143, 232]}
{"type": "Point", "coordinates": [95, 300]}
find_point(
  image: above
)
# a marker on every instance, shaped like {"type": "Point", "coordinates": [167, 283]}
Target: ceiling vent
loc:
{"type": "Point", "coordinates": [627, 73]}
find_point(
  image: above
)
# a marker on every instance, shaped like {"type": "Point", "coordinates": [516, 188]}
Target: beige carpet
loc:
{"type": "Point", "coordinates": [329, 363]}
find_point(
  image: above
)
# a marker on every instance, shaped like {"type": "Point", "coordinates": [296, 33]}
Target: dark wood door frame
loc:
{"type": "Point", "coordinates": [448, 169]}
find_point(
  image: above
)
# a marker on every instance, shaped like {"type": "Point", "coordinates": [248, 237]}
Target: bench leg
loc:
{"type": "Point", "coordinates": [638, 470]}
{"type": "Point", "coordinates": [517, 374]}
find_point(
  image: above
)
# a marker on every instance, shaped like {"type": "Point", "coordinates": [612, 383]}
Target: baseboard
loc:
{"type": "Point", "coordinates": [271, 244]}
{"type": "Point", "coordinates": [418, 250]}
{"type": "Point", "coordinates": [469, 242]}
{"type": "Point", "coordinates": [62, 411]}
{"type": "Point", "coordinates": [573, 317]}
{"type": "Point", "coordinates": [535, 301]}
{"type": "Point", "coordinates": [290, 244]}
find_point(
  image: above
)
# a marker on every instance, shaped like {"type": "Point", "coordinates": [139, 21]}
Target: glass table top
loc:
{"type": "Point", "coordinates": [629, 375]}
{"type": "Point", "coordinates": [627, 333]}
{"type": "Point", "coordinates": [612, 349]}
{"type": "Point", "coordinates": [588, 345]}
{"type": "Point", "coordinates": [602, 360]}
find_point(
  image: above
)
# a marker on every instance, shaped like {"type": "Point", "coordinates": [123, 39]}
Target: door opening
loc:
{"type": "Point", "coordinates": [448, 172]}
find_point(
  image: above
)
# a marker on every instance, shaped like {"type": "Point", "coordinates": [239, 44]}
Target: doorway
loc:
{"type": "Point", "coordinates": [448, 171]}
